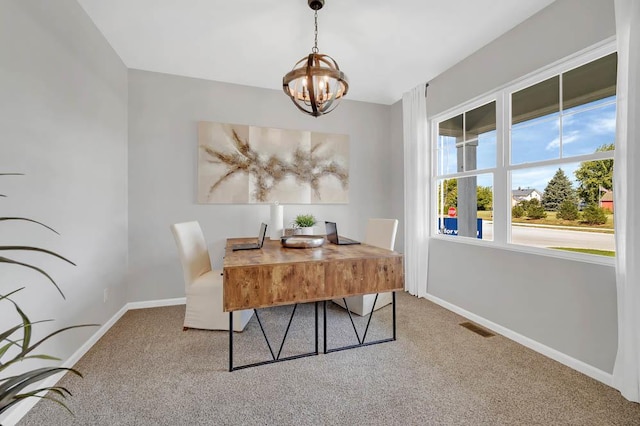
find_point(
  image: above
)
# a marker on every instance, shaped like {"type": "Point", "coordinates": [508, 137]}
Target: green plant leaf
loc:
{"type": "Point", "coordinates": [7, 260]}
{"type": "Point", "coordinates": [34, 394]}
{"type": "Point", "coordinates": [38, 249]}
{"type": "Point", "coordinates": [11, 388]}
{"type": "Point", "coordinates": [29, 220]}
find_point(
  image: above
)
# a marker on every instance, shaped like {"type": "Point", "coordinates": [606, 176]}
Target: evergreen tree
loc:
{"type": "Point", "coordinates": [594, 215]}
{"type": "Point", "coordinates": [558, 189]}
{"type": "Point", "coordinates": [567, 210]}
{"type": "Point", "coordinates": [535, 209]}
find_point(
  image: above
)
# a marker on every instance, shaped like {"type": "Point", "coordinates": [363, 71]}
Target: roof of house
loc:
{"type": "Point", "coordinates": [523, 192]}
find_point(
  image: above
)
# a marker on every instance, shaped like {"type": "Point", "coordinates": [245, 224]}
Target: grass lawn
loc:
{"type": "Point", "coordinates": [552, 220]}
{"type": "Point", "coordinates": [588, 251]}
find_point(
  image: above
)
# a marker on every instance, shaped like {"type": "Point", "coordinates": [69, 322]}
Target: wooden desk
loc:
{"type": "Point", "coordinates": [276, 275]}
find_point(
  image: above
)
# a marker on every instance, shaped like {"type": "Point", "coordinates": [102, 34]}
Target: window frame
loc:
{"type": "Point", "coordinates": [502, 171]}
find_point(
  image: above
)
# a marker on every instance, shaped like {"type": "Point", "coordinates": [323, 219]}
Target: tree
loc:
{"type": "Point", "coordinates": [536, 211]}
{"type": "Point", "coordinates": [594, 175]}
{"type": "Point", "coordinates": [594, 215]}
{"type": "Point", "coordinates": [485, 198]}
{"type": "Point", "coordinates": [558, 190]}
{"type": "Point", "coordinates": [567, 210]}
{"type": "Point", "coordinates": [531, 208]}
{"type": "Point", "coordinates": [450, 187]}
{"type": "Point", "coordinates": [517, 211]}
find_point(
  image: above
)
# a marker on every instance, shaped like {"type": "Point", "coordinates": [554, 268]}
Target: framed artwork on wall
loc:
{"type": "Point", "coordinates": [240, 164]}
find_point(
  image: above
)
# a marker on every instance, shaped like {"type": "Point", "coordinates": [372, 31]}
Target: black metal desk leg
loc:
{"type": "Point", "coordinates": [393, 300]}
{"type": "Point", "coordinates": [317, 328]}
{"type": "Point", "coordinates": [230, 341]}
{"type": "Point", "coordinates": [324, 324]}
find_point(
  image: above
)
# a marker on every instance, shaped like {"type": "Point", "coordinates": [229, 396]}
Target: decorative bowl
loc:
{"type": "Point", "coordinates": [302, 241]}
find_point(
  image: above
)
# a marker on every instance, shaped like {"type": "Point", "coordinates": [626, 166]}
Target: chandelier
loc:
{"type": "Point", "coordinates": [315, 84]}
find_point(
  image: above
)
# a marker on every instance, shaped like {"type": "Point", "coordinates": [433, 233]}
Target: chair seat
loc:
{"type": "Point", "coordinates": [203, 286]}
{"type": "Point", "coordinates": [204, 305]}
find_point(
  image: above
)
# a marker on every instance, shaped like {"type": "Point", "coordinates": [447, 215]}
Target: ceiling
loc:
{"type": "Point", "coordinates": [385, 47]}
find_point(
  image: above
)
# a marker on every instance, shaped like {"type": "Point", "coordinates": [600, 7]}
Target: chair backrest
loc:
{"type": "Point", "coordinates": [381, 233]}
{"type": "Point", "coordinates": [192, 248]}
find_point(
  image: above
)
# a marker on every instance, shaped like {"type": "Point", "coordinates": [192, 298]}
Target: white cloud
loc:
{"type": "Point", "coordinates": [555, 143]}
{"type": "Point", "coordinates": [604, 124]}
{"type": "Point", "coordinates": [571, 137]}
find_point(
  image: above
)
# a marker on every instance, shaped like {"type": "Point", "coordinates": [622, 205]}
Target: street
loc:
{"type": "Point", "coordinates": [553, 237]}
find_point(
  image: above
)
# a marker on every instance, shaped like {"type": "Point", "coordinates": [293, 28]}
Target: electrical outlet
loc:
{"type": "Point", "coordinates": [106, 295]}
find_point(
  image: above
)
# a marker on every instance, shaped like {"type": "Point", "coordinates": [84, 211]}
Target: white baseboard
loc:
{"type": "Point", "coordinates": [156, 303]}
{"type": "Point", "coordinates": [23, 408]}
{"type": "Point", "coordinates": [584, 368]}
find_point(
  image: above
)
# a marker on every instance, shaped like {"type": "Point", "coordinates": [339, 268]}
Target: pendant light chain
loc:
{"type": "Point", "coordinates": [315, 46]}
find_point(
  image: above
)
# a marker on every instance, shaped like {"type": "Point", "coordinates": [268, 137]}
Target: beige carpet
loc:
{"type": "Point", "coordinates": [147, 371]}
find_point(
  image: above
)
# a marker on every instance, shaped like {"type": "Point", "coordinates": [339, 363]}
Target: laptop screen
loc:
{"type": "Point", "coordinates": [332, 232]}
{"type": "Point", "coordinates": [263, 231]}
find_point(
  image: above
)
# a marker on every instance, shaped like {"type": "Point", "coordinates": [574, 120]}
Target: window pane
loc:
{"type": "Point", "coordinates": [480, 138]}
{"type": "Point", "coordinates": [447, 159]}
{"type": "Point", "coordinates": [590, 82]}
{"type": "Point", "coordinates": [565, 208]}
{"type": "Point", "coordinates": [535, 121]}
{"type": "Point", "coordinates": [536, 140]}
{"type": "Point", "coordinates": [449, 133]}
{"type": "Point", "coordinates": [583, 132]}
{"type": "Point", "coordinates": [536, 101]}
{"type": "Point", "coordinates": [465, 206]}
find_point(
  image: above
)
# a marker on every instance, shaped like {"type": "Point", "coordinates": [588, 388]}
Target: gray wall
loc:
{"type": "Point", "coordinates": [63, 116]}
{"type": "Point", "coordinates": [163, 115]}
{"type": "Point", "coordinates": [567, 305]}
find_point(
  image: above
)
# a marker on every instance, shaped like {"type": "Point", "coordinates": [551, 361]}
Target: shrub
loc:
{"type": "Point", "coordinates": [517, 211]}
{"type": "Point", "coordinates": [567, 211]}
{"type": "Point", "coordinates": [594, 215]}
{"type": "Point", "coordinates": [536, 211]}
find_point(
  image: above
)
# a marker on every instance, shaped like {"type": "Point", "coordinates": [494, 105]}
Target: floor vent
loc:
{"type": "Point", "coordinates": [477, 329]}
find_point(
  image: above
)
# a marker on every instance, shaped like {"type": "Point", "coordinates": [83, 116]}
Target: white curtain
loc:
{"type": "Point", "coordinates": [417, 163]}
{"type": "Point", "coordinates": [626, 187]}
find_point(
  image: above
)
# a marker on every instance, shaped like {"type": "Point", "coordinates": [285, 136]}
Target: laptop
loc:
{"type": "Point", "coordinates": [253, 246]}
{"type": "Point", "coordinates": [332, 235]}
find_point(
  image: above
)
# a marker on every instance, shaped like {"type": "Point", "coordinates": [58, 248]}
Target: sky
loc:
{"type": "Point", "coordinates": [584, 129]}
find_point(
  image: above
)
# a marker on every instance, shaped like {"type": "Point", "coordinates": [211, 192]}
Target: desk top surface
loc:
{"type": "Point", "coordinates": [273, 252]}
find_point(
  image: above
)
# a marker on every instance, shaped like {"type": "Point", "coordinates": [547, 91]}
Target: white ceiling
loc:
{"type": "Point", "coordinates": [385, 47]}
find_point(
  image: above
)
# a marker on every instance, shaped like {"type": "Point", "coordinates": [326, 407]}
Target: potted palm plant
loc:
{"type": "Point", "coordinates": [16, 344]}
{"type": "Point", "coordinates": [303, 224]}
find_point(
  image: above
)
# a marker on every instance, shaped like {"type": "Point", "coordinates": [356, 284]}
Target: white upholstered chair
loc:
{"type": "Point", "coordinates": [380, 233]}
{"type": "Point", "coordinates": [203, 286]}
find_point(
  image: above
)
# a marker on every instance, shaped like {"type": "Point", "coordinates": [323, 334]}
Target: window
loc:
{"type": "Point", "coordinates": [551, 158]}
{"type": "Point", "coordinates": [466, 151]}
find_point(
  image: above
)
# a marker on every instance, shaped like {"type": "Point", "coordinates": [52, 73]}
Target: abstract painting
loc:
{"type": "Point", "coordinates": [239, 164]}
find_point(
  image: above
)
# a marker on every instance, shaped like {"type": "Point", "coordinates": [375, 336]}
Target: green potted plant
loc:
{"type": "Point", "coordinates": [16, 343]}
{"type": "Point", "coordinates": [303, 224]}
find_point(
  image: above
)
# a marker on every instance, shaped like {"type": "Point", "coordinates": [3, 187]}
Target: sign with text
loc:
{"type": "Point", "coordinates": [450, 226]}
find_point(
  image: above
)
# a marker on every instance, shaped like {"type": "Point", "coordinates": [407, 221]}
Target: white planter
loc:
{"type": "Point", "coordinates": [304, 230]}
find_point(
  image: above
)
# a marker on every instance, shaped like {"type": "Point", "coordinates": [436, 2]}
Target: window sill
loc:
{"type": "Point", "coordinates": [539, 251]}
